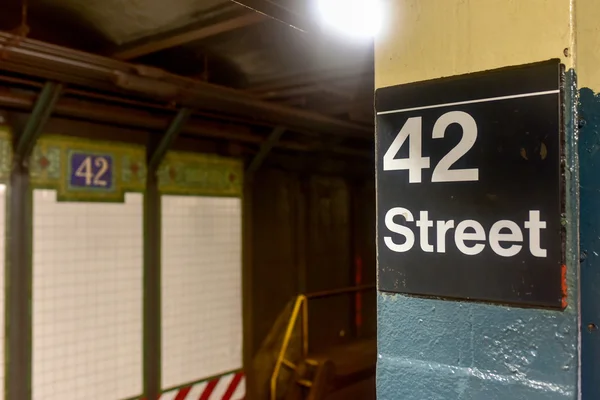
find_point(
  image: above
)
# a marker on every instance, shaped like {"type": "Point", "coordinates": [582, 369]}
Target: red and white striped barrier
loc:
{"type": "Point", "coordinates": [227, 387]}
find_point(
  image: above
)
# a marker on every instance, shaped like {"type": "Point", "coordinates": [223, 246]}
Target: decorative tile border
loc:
{"type": "Point", "coordinates": [87, 170]}
{"type": "Point", "coordinates": [5, 153]}
{"type": "Point", "coordinates": [90, 170]}
{"type": "Point", "coordinates": [201, 175]}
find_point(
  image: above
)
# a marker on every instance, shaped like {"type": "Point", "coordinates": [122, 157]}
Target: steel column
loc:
{"type": "Point", "coordinates": [248, 326]}
{"type": "Point", "coordinates": [152, 259]}
{"type": "Point", "coordinates": [19, 274]}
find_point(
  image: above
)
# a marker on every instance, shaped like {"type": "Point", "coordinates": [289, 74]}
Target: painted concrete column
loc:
{"type": "Point", "coordinates": [435, 349]}
{"type": "Point", "coordinates": [588, 76]}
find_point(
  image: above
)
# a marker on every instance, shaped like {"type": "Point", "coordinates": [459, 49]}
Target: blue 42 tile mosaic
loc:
{"type": "Point", "coordinates": [86, 170]}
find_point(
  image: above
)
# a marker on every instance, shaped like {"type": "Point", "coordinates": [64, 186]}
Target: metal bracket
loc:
{"type": "Point", "coordinates": [168, 138]}
{"type": "Point", "coordinates": [37, 120]}
{"type": "Point", "coordinates": [265, 148]}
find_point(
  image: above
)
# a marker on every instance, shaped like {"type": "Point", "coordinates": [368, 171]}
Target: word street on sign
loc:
{"type": "Point", "coordinates": [91, 171]}
{"type": "Point", "coordinates": [469, 187]}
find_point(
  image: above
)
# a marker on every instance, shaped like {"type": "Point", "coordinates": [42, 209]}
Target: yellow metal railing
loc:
{"type": "Point", "coordinates": [301, 305]}
{"type": "Point", "coordinates": [301, 309]}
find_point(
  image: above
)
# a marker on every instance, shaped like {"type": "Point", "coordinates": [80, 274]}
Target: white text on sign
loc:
{"type": "Point", "coordinates": [415, 163]}
{"type": "Point", "coordinates": [505, 237]}
{"type": "Point", "coordinates": [85, 171]}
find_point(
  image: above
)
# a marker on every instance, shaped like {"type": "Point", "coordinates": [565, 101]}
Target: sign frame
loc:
{"type": "Point", "coordinates": [482, 154]}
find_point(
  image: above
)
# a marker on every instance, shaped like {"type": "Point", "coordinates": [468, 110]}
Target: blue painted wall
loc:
{"type": "Point", "coordinates": [434, 349]}
{"type": "Point", "coordinates": [589, 158]}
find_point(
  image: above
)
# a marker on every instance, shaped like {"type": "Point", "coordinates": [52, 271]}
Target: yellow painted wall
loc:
{"type": "Point", "coordinates": [427, 39]}
{"type": "Point", "coordinates": [588, 43]}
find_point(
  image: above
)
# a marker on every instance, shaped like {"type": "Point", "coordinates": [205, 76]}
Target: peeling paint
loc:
{"type": "Point", "coordinates": [589, 124]}
{"type": "Point", "coordinates": [516, 377]}
{"type": "Point", "coordinates": [435, 349]}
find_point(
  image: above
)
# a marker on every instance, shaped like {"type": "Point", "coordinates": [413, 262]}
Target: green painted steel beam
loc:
{"type": "Point", "coordinates": [37, 120]}
{"type": "Point", "coordinates": [168, 138]}
{"type": "Point", "coordinates": [265, 148]}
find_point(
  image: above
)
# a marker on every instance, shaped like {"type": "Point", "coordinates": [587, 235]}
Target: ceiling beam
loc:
{"type": "Point", "coordinates": [37, 59]}
{"type": "Point", "coordinates": [144, 120]}
{"type": "Point", "coordinates": [154, 44]}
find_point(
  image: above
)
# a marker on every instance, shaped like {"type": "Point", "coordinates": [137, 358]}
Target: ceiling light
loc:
{"type": "Point", "coordinates": [358, 18]}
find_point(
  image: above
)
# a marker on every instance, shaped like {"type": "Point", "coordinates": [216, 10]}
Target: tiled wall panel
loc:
{"type": "Point", "coordinates": [201, 283]}
{"type": "Point", "coordinates": [87, 298]}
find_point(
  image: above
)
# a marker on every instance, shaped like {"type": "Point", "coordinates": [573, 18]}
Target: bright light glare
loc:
{"type": "Point", "coordinates": [359, 18]}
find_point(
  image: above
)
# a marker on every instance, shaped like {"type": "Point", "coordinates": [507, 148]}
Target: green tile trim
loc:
{"type": "Point", "coordinates": [195, 174]}
{"type": "Point", "coordinates": [50, 167]}
{"type": "Point", "coordinates": [5, 153]}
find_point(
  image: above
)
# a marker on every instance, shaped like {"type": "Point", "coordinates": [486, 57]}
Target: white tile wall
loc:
{"type": "Point", "coordinates": [87, 298]}
{"type": "Point", "coordinates": [202, 287]}
{"type": "Point", "coordinates": [2, 292]}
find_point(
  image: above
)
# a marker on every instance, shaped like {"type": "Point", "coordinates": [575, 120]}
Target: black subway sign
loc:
{"type": "Point", "coordinates": [469, 187]}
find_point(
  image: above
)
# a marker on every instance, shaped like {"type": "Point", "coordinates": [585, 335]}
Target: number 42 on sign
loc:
{"type": "Point", "coordinates": [412, 130]}
{"type": "Point", "coordinates": [94, 171]}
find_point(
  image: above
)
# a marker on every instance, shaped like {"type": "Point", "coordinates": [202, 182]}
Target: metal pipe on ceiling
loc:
{"type": "Point", "coordinates": [129, 102]}
{"type": "Point", "coordinates": [46, 61]}
{"type": "Point", "coordinates": [140, 119]}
